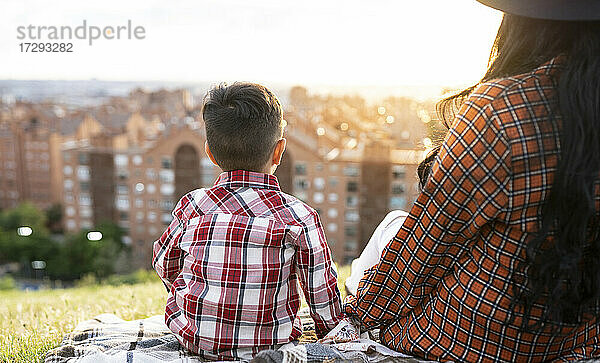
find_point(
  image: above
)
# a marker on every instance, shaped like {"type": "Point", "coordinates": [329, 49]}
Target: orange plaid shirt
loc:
{"type": "Point", "coordinates": [442, 288]}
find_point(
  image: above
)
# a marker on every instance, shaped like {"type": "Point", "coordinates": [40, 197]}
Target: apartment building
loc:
{"type": "Point", "coordinates": [131, 160]}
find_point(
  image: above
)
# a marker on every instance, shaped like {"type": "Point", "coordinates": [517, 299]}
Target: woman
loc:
{"type": "Point", "coordinates": [498, 258]}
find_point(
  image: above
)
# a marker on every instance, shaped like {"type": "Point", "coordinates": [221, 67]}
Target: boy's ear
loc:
{"type": "Point", "coordinates": [278, 151]}
{"type": "Point", "coordinates": [209, 153]}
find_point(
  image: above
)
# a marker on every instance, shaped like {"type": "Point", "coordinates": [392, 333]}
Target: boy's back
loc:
{"type": "Point", "coordinates": [234, 254]}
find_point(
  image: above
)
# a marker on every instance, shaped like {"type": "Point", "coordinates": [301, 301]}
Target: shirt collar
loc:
{"type": "Point", "coordinates": [247, 179]}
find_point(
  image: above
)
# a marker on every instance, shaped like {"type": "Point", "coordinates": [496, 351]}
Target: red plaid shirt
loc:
{"type": "Point", "coordinates": [442, 288]}
{"type": "Point", "coordinates": [232, 259]}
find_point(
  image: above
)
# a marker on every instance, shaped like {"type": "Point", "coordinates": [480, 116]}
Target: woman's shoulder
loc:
{"type": "Point", "coordinates": [538, 85]}
{"type": "Point", "coordinates": [516, 103]}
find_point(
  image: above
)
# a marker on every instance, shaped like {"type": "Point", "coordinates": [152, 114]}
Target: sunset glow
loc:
{"type": "Point", "coordinates": [336, 43]}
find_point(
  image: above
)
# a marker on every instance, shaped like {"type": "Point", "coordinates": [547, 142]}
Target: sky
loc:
{"type": "Point", "coordinates": [336, 43]}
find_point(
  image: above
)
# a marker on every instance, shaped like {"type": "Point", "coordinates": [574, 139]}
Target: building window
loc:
{"type": "Point", "coordinates": [167, 189]}
{"type": "Point", "coordinates": [300, 169]}
{"type": "Point", "coordinates": [319, 183]}
{"type": "Point", "coordinates": [122, 174]}
{"type": "Point", "coordinates": [83, 159]}
{"type": "Point", "coordinates": [351, 216]}
{"type": "Point", "coordinates": [151, 188]}
{"type": "Point", "coordinates": [332, 213]}
{"type": "Point", "coordinates": [67, 170]}
{"type": "Point", "coordinates": [123, 216]}
{"type": "Point", "coordinates": [166, 163]}
{"type": "Point", "coordinates": [122, 189]}
{"type": "Point", "coordinates": [398, 188]}
{"type": "Point", "coordinates": [332, 197]}
{"type": "Point", "coordinates": [137, 160]}
{"type": "Point", "coordinates": [121, 161]}
{"type": "Point", "coordinates": [83, 172]}
{"type": "Point", "coordinates": [319, 167]}
{"type": "Point", "coordinates": [332, 227]}
{"type": "Point", "coordinates": [351, 170]}
{"type": "Point", "coordinates": [139, 216]}
{"type": "Point", "coordinates": [85, 199]}
{"type": "Point", "coordinates": [68, 184]}
{"type": "Point", "coordinates": [85, 212]}
{"type": "Point", "coordinates": [301, 184]}
{"type": "Point", "coordinates": [333, 167]}
{"type": "Point", "coordinates": [352, 201]}
{"type": "Point", "coordinates": [166, 204]}
{"type": "Point", "coordinates": [167, 176]}
{"type": "Point", "coordinates": [70, 211]}
{"type": "Point", "coordinates": [152, 216]}
{"type": "Point", "coordinates": [350, 231]}
{"type": "Point", "coordinates": [71, 225]}
{"type": "Point", "coordinates": [352, 187]}
{"type": "Point", "coordinates": [398, 171]}
{"type": "Point", "coordinates": [166, 218]}
{"type": "Point", "coordinates": [318, 198]}
{"type": "Point", "coordinates": [397, 202]}
{"type": "Point", "coordinates": [122, 202]}
{"type": "Point", "coordinates": [350, 245]}
{"type": "Point", "coordinates": [151, 174]}
{"type": "Point", "coordinates": [333, 182]}
{"type": "Point", "coordinates": [84, 186]}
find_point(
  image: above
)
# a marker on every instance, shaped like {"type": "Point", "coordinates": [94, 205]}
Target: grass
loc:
{"type": "Point", "coordinates": [33, 322]}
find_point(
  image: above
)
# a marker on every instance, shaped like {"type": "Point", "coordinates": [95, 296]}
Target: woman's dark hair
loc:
{"type": "Point", "coordinates": [424, 168]}
{"type": "Point", "coordinates": [562, 258]}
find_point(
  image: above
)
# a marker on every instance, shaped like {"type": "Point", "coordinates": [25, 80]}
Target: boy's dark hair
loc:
{"type": "Point", "coordinates": [243, 123]}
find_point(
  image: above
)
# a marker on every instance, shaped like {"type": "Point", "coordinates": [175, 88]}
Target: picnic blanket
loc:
{"type": "Point", "coordinates": [108, 338]}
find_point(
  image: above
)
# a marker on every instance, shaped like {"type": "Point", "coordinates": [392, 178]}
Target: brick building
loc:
{"type": "Point", "coordinates": [129, 161]}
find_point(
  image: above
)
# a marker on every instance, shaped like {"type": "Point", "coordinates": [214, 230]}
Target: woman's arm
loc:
{"type": "Point", "coordinates": [467, 189]}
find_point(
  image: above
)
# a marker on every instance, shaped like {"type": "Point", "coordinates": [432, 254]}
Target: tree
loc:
{"type": "Point", "coordinates": [54, 216]}
{"type": "Point", "coordinates": [24, 248]}
{"type": "Point", "coordinates": [79, 256]}
{"type": "Point", "coordinates": [67, 260]}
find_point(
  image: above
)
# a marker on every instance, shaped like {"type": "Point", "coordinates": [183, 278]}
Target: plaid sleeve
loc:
{"type": "Point", "coordinates": [167, 256]}
{"type": "Point", "coordinates": [468, 188]}
{"type": "Point", "coordinates": [318, 276]}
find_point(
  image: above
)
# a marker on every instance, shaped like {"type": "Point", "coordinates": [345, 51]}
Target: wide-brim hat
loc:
{"type": "Point", "coordinates": [549, 9]}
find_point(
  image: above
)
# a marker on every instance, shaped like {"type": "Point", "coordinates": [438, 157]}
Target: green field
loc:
{"type": "Point", "coordinates": [31, 323]}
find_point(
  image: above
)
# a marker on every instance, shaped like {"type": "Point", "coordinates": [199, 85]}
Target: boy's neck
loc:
{"type": "Point", "coordinates": [269, 171]}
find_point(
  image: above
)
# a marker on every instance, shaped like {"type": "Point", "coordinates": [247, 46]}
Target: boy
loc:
{"type": "Point", "coordinates": [233, 255]}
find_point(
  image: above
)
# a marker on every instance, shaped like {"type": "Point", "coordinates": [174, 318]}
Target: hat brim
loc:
{"type": "Point", "coordinates": [580, 10]}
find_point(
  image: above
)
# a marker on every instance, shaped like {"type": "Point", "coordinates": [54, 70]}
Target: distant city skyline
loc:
{"type": "Point", "coordinates": [320, 44]}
